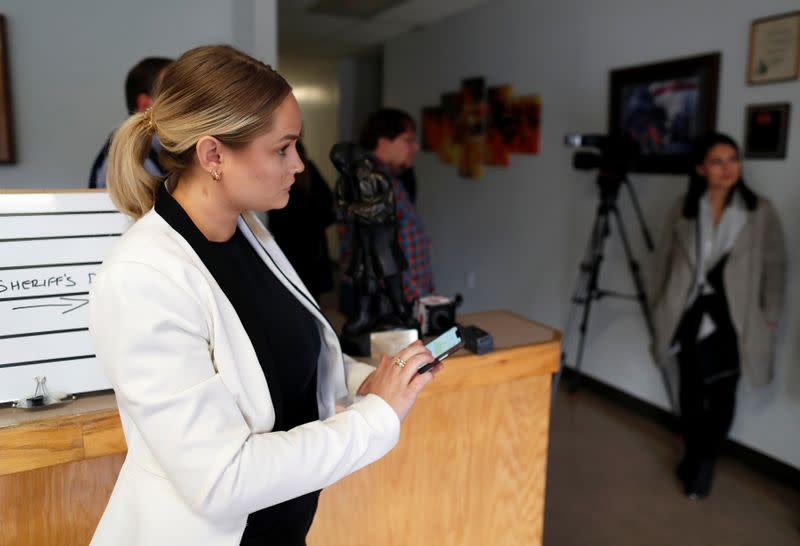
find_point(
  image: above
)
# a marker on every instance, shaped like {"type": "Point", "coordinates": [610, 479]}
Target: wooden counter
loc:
{"type": "Point", "coordinates": [471, 463]}
{"type": "Point", "coordinates": [57, 470]}
{"type": "Point", "coordinates": [469, 469]}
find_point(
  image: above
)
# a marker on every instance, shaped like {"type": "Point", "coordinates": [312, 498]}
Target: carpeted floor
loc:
{"type": "Point", "coordinates": [611, 482]}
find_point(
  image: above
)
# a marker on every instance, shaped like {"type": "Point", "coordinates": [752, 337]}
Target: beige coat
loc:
{"type": "Point", "coordinates": [754, 285]}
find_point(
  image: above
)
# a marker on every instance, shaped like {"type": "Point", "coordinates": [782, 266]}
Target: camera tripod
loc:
{"type": "Point", "coordinates": [586, 288]}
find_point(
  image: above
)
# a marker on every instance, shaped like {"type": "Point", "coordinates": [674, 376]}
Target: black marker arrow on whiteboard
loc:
{"type": "Point", "coordinates": [72, 306]}
{"type": "Point", "coordinates": [83, 301]}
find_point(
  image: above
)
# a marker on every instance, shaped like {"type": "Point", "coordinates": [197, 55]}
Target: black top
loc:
{"type": "Point", "coordinates": [286, 340]}
{"type": "Point", "coordinates": [718, 353]}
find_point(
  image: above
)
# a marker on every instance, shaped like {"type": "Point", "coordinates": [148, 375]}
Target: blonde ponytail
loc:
{"type": "Point", "coordinates": [131, 187]}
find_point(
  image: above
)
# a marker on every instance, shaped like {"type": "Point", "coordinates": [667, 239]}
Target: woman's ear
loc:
{"type": "Point", "coordinates": [209, 151]}
{"type": "Point", "coordinates": [143, 102]}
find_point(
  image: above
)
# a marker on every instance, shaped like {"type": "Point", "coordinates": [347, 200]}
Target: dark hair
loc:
{"type": "Point", "coordinates": [385, 123]}
{"type": "Point", "coordinates": [698, 184]}
{"type": "Point", "coordinates": [142, 79]}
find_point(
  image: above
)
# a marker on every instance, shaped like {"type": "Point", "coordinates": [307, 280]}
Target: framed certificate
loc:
{"type": "Point", "coordinates": [774, 49]}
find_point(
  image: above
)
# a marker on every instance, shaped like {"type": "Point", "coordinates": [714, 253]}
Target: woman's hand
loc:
{"type": "Point", "coordinates": [396, 379]}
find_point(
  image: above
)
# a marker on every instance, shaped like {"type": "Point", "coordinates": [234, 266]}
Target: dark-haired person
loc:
{"type": "Point", "coordinates": [717, 294]}
{"type": "Point", "coordinates": [227, 375]}
{"type": "Point", "coordinates": [391, 135]}
{"type": "Point", "coordinates": [299, 227]}
{"type": "Point", "coordinates": [140, 84]}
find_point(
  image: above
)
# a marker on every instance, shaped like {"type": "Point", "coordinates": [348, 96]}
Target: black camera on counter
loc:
{"type": "Point", "coordinates": [436, 314]}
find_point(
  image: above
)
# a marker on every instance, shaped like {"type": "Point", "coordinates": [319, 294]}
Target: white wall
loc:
{"type": "Point", "coordinates": [69, 60]}
{"type": "Point", "coordinates": [522, 230]}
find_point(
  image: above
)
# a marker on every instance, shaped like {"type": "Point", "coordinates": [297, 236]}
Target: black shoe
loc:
{"type": "Point", "coordinates": [699, 485]}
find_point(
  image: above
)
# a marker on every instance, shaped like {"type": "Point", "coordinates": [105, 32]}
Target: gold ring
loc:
{"type": "Point", "coordinates": [399, 362]}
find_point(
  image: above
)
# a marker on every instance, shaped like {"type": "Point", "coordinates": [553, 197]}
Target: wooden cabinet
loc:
{"type": "Point", "coordinates": [57, 473]}
{"type": "Point", "coordinates": [471, 463]}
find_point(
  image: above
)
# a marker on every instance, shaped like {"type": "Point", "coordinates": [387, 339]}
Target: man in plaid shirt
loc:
{"type": "Point", "coordinates": [391, 136]}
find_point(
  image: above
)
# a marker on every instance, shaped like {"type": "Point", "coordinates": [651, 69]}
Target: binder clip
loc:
{"type": "Point", "coordinates": [41, 397]}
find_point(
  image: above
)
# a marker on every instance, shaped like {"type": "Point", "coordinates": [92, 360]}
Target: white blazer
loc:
{"type": "Point", "coordinates": [194, 402]}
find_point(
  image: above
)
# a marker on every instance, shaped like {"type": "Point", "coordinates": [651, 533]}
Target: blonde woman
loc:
{"type": "Point", "coordinates": [225, 370]}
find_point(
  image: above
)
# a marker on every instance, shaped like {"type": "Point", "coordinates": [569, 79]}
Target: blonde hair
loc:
{"type": "Point", "coordinates": [210, 90]}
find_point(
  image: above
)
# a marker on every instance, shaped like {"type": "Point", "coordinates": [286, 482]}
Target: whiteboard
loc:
{"type": "Point", "coordinates": [51, 245]}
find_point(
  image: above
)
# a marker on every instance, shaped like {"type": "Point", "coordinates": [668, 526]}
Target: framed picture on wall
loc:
{"type": "Point", "coordinates": [6, 126]}
{"type": "Point", "coordinates": [663, 107]}
{"type": "Point", "coordinates": [766, 130]}
{"type": "Point", "coordinates": [774, 53]}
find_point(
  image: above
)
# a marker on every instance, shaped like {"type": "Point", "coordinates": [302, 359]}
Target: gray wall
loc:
{"type": "Point", "coordinates": [69, 60]}
{"type": "Point", "coordinates": [519, 232]}
{"type": "Point", "coordinates": [360, 90]}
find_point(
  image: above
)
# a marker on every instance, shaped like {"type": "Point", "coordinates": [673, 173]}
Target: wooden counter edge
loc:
{"type": "Point", "coordinates": [59, 440]}
{"type": "Point", "coordinates": [501, 366]}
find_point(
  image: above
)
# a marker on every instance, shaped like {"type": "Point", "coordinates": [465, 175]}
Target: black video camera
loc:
{"type": "Point", "coordinates": [615, 157]}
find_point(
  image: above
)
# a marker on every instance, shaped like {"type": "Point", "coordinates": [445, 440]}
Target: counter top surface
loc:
{"type": "Point", "coordinates": [509, 330]}
{"type": "Point", "coordinates": [82, 405]}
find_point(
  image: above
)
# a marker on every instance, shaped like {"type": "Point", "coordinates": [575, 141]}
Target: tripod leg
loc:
{"type": "Point", "coordinates": [579, 296]}
{"type": "Point", "coordinates": [576, 381]}
{"type": "Point", "coordinates": [592, 294]}
{"type": "Point", "coordinates": [585, 292]}
{"type": "Point", "coordinates": [633, 266]}
{"type": "Point", "coordinates": [638, 209]}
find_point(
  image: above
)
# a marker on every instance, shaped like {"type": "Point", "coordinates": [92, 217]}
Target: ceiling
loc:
{"type": "Point", "coordinates": [325, 28]}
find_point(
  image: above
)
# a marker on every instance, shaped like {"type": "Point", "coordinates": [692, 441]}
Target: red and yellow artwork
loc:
{"type": "Point", "coordinates": [500, 125]}
{"type": "Point", "coordinates": [526, 114]}
{"type": "Point", "coordinates": [449, 146]}
{"type": "Point", "coordinates": [478, 126]}
{"type": "Point", "coordinates": [432, 128]}
{"type": "Point", "coordinates": [471, 127]}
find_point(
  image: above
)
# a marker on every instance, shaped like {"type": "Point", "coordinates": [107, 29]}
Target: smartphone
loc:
{"type": "Point", "coordinates": [443, 346]}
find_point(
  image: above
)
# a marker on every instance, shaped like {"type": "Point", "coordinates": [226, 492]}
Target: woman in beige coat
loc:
{"type": "Point", "coordinates": [716, 298]}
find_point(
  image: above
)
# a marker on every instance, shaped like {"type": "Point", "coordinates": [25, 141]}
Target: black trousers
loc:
{"type": "Point", "coordinates": [709, 374]}
{"type": "Point", "coordinates": [707, 409]}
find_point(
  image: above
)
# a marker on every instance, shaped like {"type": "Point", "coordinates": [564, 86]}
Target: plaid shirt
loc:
{"type": "Point", "coordinates": [416, 246]}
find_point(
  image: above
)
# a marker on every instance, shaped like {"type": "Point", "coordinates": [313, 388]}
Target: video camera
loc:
{"type": "Point", "coordinates": [615, 157]}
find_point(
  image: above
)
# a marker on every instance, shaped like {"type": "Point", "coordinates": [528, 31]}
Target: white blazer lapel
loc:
{"type": "Point", "coordinates": [271, 254]}
{"type": "Point", "coordinates": [331, 372]}
{"type": "Point", "coordinates": [234, 356]}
